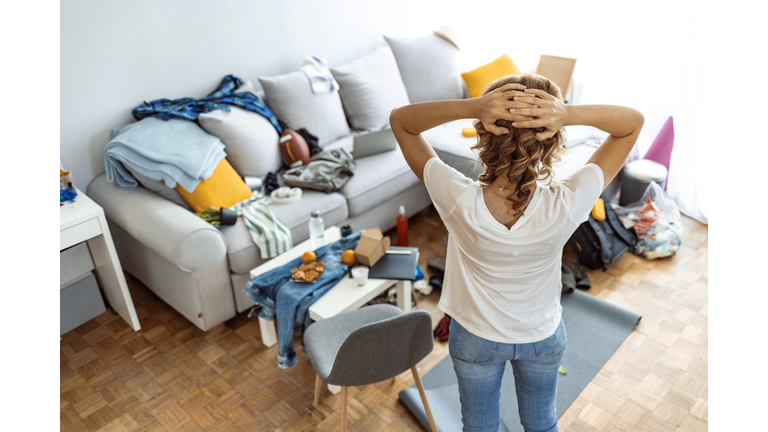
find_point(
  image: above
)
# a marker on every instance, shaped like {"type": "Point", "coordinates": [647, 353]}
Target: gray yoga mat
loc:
{"type": "Point", "coordinates": [595, 329]}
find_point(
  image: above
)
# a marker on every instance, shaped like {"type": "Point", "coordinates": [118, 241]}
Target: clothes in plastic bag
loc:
{"type": "Point", "coordinates": [326, 171]}
{"type": "Point", "coordinates": [656, 221]}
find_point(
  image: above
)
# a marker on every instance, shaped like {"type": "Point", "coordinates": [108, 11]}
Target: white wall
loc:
{"type": "Point", "coordinates": [116, 54]}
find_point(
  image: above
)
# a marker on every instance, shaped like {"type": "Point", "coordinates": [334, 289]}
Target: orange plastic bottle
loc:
{"type": "Point", "coordinates": [402, 228]}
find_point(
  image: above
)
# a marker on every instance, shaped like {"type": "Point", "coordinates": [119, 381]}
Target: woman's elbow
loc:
{"type": "Point", "coordinates": [394, 118]}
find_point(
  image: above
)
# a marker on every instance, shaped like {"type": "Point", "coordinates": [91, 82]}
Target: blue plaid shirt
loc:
{"type": "Point", "coordinates": [222, 98]}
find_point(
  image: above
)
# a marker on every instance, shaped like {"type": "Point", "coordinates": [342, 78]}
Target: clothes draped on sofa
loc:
{"type": "Point", "coordinates": [220, 99]}
{"type": "Point", "coordinates": [278, 296]}
{"type": "Point", "coordinates": [319, 74]}
{"type": "Point", "coordinates": [268, 232]}
{"type": "Point", "coordinates": [173, 151]}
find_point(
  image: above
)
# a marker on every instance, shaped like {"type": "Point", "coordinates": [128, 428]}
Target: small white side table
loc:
{"type": "Point", "coordinates": [84, 221]}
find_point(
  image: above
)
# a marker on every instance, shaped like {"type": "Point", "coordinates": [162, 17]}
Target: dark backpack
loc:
{"type": "Point", "coordinates": [598, 243]}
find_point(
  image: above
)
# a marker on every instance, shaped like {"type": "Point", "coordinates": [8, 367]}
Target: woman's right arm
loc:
{"type": "Point", "coordinates": [623, 125]}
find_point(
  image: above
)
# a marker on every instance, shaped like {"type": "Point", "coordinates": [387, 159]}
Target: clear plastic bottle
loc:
{"type": "Point", "coordinates": [316, 230]}
{"type": "Point", "coordinates": [402, 228]}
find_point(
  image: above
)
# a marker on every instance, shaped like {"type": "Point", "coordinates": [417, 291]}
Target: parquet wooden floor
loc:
{"type": "Point", "coordinates": [170, 376]}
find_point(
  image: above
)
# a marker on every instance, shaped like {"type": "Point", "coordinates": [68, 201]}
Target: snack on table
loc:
{"type": "Point", "coordinates": [307, 272]}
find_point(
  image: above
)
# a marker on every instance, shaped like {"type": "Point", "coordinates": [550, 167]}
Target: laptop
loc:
{"type": "Point", "coordinates": [373, 143]}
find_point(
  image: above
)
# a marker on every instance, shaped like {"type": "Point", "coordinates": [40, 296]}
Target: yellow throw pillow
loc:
{"type": "Point", "coordinates": [224, 188]}
{"type": "Point", "coordinates": [478, 78]}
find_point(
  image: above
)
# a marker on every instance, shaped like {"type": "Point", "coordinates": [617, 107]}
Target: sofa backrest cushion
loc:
{"type": "Point", "coordinates": [251, 140]}
{"type": "Point", "coordinates": [429, 67]}
{"type": "Point", "coordinates": [370, 88]}
{"type": "Point", "coordinates": [291, 98]}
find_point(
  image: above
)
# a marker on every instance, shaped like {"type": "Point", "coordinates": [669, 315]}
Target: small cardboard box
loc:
{"type": "Point", "coordinates": [372, 246]}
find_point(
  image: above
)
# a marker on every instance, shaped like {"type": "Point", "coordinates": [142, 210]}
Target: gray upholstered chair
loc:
{"type": "Point", "coordinates": [366, 346]}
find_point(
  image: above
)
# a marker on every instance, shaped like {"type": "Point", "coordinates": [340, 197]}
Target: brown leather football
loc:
{"type": "Point", "coordinates": [293, 148]}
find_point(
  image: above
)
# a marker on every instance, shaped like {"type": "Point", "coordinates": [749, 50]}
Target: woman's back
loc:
{"type": "Point", "coordinates": [504, 283]}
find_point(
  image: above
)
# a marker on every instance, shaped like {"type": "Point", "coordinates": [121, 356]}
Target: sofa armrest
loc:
{"type": "Point", "coordinates": [174, 233]}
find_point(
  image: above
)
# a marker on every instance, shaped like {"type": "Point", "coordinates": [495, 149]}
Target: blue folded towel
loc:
{"type": "Point", "coordinates": [173, 151]}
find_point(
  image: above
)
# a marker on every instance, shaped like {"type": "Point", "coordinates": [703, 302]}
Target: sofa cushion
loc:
{"type": "Point", "coordinates": [160, 188]}
{"type": "Point", "coordinates": [224, 188]}
{"type": "Point", "coordinates": [251, 140]}
{"type": "Point", "coordinates": [477, 79]}
{"type": "Point", "coordinates": [243, 253]}
{"type": "Point", "coordinates": [370, 89]}
{"type": "Point", "coordinates": [429, 66]}
{"type": "Point", "coordinates": [291, 98]}
{"type": "Point", "coordinates": [377, 178]}
{"type": "Point", "coordinates": [453, 148]}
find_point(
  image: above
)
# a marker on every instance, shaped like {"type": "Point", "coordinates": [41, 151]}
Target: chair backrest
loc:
{"type": "Point", "coordinates": [383, 349]}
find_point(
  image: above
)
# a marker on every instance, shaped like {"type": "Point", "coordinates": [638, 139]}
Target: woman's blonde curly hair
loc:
{"type": "Point", "coordinates": [519, 156]}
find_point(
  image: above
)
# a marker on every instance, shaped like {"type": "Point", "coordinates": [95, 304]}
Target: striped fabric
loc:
{"type": "Point", "coordinates": [320, 77]}
{"type": "Point", "coordinates": [268, 232]}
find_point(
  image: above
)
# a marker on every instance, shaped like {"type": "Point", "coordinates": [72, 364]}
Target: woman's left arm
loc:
{"type": "Point", "coordinates": [410, 121]}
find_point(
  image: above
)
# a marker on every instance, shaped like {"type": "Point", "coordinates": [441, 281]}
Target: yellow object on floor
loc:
{"type": "Point", "coordinates": [598, 211]}
{"type": "Point", "coordinates": [478, 78]}
{"type": "Point", "coordinates": [224, 188]}
{"type": "Point", "coordinates": [469, 132]}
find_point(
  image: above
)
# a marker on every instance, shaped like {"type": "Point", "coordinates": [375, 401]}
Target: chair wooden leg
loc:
{"type": "Point", "coordinates": [318, 387]}
{"type": "Point", "coordinates": [343, 427]}
{"type": "Point", "coordinates": [424, 400]}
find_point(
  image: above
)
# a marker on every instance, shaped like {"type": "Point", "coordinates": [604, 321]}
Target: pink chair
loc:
{"type": "Point", "coordinates": [661, 149]}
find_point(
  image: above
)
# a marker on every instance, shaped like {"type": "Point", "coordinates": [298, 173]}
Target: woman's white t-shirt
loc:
{"type": "Point", "coordinates": [504, 284]}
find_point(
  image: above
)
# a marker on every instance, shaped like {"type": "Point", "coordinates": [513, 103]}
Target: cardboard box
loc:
{"type": "Point", "coordinates": [371, 247]}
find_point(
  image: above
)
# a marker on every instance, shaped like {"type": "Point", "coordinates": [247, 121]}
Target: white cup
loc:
{"type": "Point", "coordinates": [360, 275]}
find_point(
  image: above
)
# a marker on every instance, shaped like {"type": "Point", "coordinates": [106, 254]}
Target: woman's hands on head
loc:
{"type": "Point", "coordinates": [499, 105]}
{"type": "Point", "coordinates": [543, 110]}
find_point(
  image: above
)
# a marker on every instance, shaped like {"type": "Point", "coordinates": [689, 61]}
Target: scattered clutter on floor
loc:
{"type": "Point", "coordinates": [441, 331]}
{"type": "Point", "coordinates": [600, 240]}
{"type": "Point", "coordinates": [390, 297]}
{"type": "Point", "coordinates": [656, 220]}
{"type": "Point", "coordinates": [574, 276]}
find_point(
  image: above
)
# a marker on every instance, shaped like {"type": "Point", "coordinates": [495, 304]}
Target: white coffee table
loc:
{"type": "Point", "coordinates": [343, 297]}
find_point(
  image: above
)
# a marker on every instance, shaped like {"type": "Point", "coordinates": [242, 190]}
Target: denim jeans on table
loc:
{"type": "Point", "coordinates": [479, 365]}
{"type": "Point", "coordinates": [279, 296]}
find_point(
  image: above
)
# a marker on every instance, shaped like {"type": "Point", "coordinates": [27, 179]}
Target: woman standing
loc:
{"type": "Point", "coordinates": [507, 231]}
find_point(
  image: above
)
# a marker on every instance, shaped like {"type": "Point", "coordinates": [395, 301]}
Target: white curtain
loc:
{"type": "Point", "coordinates": [647, 55]}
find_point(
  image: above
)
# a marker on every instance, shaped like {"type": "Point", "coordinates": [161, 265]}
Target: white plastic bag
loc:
{"type": "Point", "coordinates": [657, 223]}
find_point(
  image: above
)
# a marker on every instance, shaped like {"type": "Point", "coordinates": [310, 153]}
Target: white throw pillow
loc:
{"type": "Point", "coordinates": [251, 140]}
{"type": "Point", "coordinates": [290, 97]}
{"type": "Point", "coordinates": [429, 66]}
{"type": "Point", "coordinates": [371, 87]}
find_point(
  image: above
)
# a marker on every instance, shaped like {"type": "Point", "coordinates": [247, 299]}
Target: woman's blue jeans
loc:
{"type": "Point", "coordinates": [479, 365]}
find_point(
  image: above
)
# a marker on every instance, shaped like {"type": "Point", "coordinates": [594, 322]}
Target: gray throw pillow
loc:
{"type": "Point", "coordinates": [370, 89]}
{"type": "Point", "coordinates": [290, 97]}
{"type": "Point", "coordinates": [429, 67]}
{"type": "Point", "coordinates": [159, 187]}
